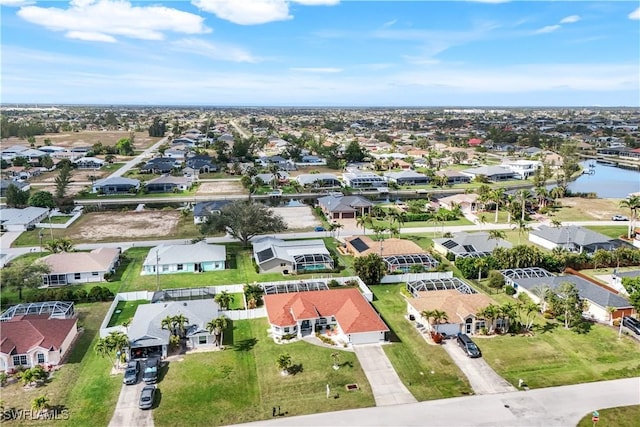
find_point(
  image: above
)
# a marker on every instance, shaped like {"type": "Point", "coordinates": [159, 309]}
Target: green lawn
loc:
{"type": "Point", "coordinates": [613, 231]}
{"type": "Point", "coordinates": [83, 385]}
{"type": "Point", "coordinates": [56, 220]}
{"type": "Point", "coordinates": [425, 369]}
{"type": "Point", "coordinates": [243, 383]}
{"type": "Point", "coordinates": [555, 356]}
{"type": "Point", "coordinates": [127, 310]}
{"type": "Point", "coordinates": [624, 416]}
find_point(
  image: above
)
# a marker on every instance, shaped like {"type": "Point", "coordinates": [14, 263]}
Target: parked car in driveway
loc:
{"type": "Point", "coordinates": [619, 218]}
{"type": "Point", "coordinates": [131, 372]}
{"type": "Point", "coordinates": [468, 346]}
{"type": "Point", "coordinates": [632, 323]}
{"type": "Point", "coordinates": [147, 396]}
{"type": "Point", "coordinates": [150, 375]}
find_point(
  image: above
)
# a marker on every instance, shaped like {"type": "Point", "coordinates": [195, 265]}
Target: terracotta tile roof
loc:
{"type": "Point", "coordinates": [390, 247]}
{"type": "Point", "coordinates": [352, 312]}
{"type": "Point", "coordinates": [458, 306]}
{"type": "Point", "coordinates": [79, 262]}
{"type": "Point", "coordinates": [20, 336]}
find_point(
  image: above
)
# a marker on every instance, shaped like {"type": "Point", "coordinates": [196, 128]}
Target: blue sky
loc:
{"type": "Point", "coordinates": [321, 53]}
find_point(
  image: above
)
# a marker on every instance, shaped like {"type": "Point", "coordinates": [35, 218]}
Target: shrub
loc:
{"type": "Point", "coordinates": [333, 283]}
{"type": "Point", "coordinates": [108, 276]}
{"type": "Point", "coordinates": [510, 290]}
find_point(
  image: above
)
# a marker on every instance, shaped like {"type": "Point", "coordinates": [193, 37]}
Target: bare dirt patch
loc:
{"type": "Point", "coordinates": [220, 187]}
{"type": "Point", "coordinates": [126, 225]}
{"type": "Point", "coordinates": [600, 209]}
{"type": "Point", "coordinates": [142, 140]}
{"type": "Point", "coordinates": [298, 217]}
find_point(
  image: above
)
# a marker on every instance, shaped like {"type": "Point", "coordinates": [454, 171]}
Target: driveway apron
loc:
{"type": "Point", "coordinates": [482, 377]}
{"type": "Point", "coordinates": [385, 382]}
{"type": "Point", "coordinates": [127, 413]}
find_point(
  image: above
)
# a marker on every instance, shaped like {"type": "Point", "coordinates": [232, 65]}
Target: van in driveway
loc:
{"type": "Point", "coordinates": [150, 374]}
{"type": "Point", "coordinates": [468, 346]}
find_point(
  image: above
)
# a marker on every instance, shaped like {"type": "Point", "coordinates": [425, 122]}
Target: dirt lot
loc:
{"type": "Point", "coordinates": [124, 225]}
{"type": "Point", "coordinates": [220, 187]}
{"type": "Point", "coordinates": [577, 209]}
{"type": "Point", "coordinates": [298, 217]}
{"type": "Point", "coordinates": [142, 140]}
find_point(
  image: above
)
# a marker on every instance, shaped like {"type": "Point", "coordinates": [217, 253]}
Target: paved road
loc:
{"type": "Point", "coordinates": [139, 158]}
{"type": "Point", "coordinates": [387, 387]}
{"type": "Point", "coordinates": [127, 413]}
{"type": "Point", "coordinates": [483, 379]}
{"type": "Point", "coordinates": [554, 406]}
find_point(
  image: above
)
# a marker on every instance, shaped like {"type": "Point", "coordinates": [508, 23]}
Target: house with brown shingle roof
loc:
{"type": "Point", "coordinates": [35, 340]}
{"type": "Point", "coordinates": [461, 310]}
{"type": "Point", "coordinates": [80, 267]}
{"type": "Point", "coordinates": [398, 254]}
{"type": "Point", "coordinates": [350, 315]}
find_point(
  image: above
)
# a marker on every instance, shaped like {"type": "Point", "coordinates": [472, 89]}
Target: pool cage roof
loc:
{"type": "Point", "coordinates": [472, 254]}
{"type": "Point", "coordinates": [412, 259]}
{"type": "Point", "coordinates": [525, 273]}
{"type": "Point", "coordinates": [287, 287]}
{"type": "Point", "coordinates": [55, 310]}
{"type": "Point", "coordinates": [183, 294]}
{"type": "Point", "coordinates": [312, 259]}
{"type": "Point", "coordinates": [451, 283]}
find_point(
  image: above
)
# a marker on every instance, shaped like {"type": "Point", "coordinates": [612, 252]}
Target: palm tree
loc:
{"type": "Point", "coordinates": [633, 204]}
{"type": "Point", "coordinates": [364, 221]}
{"type": "Point", "coordinates": [496, 196]}
{"type": "Point", "coordinates": [497, 235]}
{"type": "Point", "coordinates": [224, 299]}
{"type": "Point", "coordinates": [102, 349]}
{"type": "Point", "coordinates": [40, 404]}
{"type": "Point", "coordinates": [524, 196]}
{"type": "Point", "coordinates": [180, 321]}
{"type": "Point", "coordinates": [522, 227]}
{"type": "Point", "coordinates": [335, 358]}
{"type": "Point", "coordinates": [167, 323]}
{"type": "Point", "coordinates": [337, 226]}
{"type": "Point", "coordinates": [435, 317]}
{"type": "Point", "coordinates": [284, 363]}
{"type": "Point", "coordinates": [117, 342]}
{"type": "Point", "coordinates": [480, 264]}
{"type": "Point", "coordinates": [610, 310]}
{"type": "Point", "coordinates": [482, 220]}
{"type": "Point", "coordinates": [557, 193]}
{"type": "Point", "coordinates": [509, 203]}
{"type": "Point", "coordinates": [217, 327]}
{"type": "Point", "coordinates": [541, 194]}
{"type": "Point", "coordinates": [542, 292]}
{"type": "Point", "coordinates": [556, 223]}
{"type": "Point", "coordinates": [489, 314]}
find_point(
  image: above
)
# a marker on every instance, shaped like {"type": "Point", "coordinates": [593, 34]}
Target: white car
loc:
{"type": "Point", "coordinates": [619, 218]}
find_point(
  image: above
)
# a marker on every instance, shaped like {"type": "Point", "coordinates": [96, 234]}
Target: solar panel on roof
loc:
{"type": "Point", "coordinates": [265, 255]}
{"type": "Point", "coordinates": [449, 244]}
{"type": "Point", "coordinates": [359, 245]}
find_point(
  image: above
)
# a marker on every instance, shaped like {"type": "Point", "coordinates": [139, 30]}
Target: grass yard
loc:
{"type": "Point", "coordinates": [56, 220]}
{"type": "Point", "coordinates": [413, 359]}
{"type": "Point", "coordinates": [624, 416]}
{"type": "Point", "coordinates": [555, 356]}
{"type": "Point", "coordinates": [82, 386]}
{"type": "Point", "coordinates": [127, 310]}
{"type": "Point", "coordinates": [613, 231]}
{"type": "Point", "coordinates": [243, 383]}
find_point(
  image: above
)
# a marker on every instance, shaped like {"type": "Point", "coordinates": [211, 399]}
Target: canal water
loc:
{"type": "Point", "coordinates": [608, 182]}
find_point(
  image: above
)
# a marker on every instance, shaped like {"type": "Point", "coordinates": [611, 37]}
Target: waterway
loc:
{"type": "Point", "coordinates": [608, 182]}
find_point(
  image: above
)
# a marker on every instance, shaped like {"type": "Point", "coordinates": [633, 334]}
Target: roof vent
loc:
{"type": "Point", "coordinates": [184, 303]}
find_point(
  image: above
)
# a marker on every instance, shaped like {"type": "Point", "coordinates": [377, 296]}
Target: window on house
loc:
{"type": "Point", "coordinates": [202, 339]}
{"type": "Point", "coordinates": [20, 360]}
{"type": "Point", "coordinates": [165, 268]}
{"type": "Point", "coordinates": [180, 267]}
{"type": "Point", "coordinates": [286, 330]}
{"type": "Point", "coordinates": [76, 276]}
{"type": "Point", "coordinates": [95, 273]}
{"type": "Point", "coordinates": [40, 357]}
{"type": "Point", "coordinates": [282, 264]}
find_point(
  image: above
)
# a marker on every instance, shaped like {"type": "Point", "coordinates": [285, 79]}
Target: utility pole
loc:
{"type": "Point", "coordinates": [157, 270]}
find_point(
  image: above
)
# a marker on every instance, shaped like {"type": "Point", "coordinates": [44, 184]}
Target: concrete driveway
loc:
{"type": "Point", "coordinates": [482, 377]}
{"type": "Point", "coordinates": [385, 382]}
{"type": "Point", "coordinates": [127, 413]}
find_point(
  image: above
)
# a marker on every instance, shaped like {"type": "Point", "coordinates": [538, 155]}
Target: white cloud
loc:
{"type": "Point", "coordinates": [548, 29]}
{"type": "Point", "coordinates": [635, 15]}
{"type": "Point", "coordinates": [16, 3]}
{"type": "Point", "coordinates": [570, 19]}
{"type": "Point", "coordinates": [389, 23]}
{"type": "Point", "coordinates": [102, 20]}
{"type": "Point", "coordinates": [217, 51]}
{"type": "Point", "coordinates": [254, 12]}
{"type": "Point", "coordinates": [317, 69]}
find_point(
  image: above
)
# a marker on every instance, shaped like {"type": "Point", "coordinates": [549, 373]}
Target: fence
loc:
{"type": "Point", "coordinates": [412, 277]}
{"type": "Point", "coordinates": [255, 313]}
{"type": "Point", "coordinates": [65, 225]}
{"type": "Point", "coordinates": [124, 296]}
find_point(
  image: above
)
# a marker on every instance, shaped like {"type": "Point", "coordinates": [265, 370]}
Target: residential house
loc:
{"type": "Point", "coordinates": [398, 254]}
{"type": "Point", "coordinates": [344, 207]}
{"type": "Point", "coordinates": [523, 169]}
{"type": "Point", "coordinates": [356, 178]}
{"type": "Point", "coordinates": [291, 256]}
{"type": "Point", "coordinates": [406, 177]}
{"type": "Point", "coordinates": [193, 258]}
{"type": "Point", "coordinates": [167, 184]}
{"type": "Point", "coordinates": [175, 153]}
{"type": "Point", "coordinates": [12, 219]}
{"type": "Point", "coordinates": [318, 180]}
{"type": "Point", "coordinates": [467, 202]}
{"type": "Point", "coordinates": [574, 239]}
{"type": "Point", "coordinates": [460, 308]}
{"type": "Point", "coordinates": [5, 183]}
{"type": "Point", "coordinates": [454, 177]}
{"type": "Point", "coordinates": [617, 276]}
{"type": "Point", "coordinates": [30, 340]}
{"type": "Point", "coordinates": [598, 297]}
{"type": "Point", "coordinates": [186, 141]}
{"type": "Point", "coordinates": [492, 173]}
{"type": "Point", "coordinates": [464, 245]}
{"type": "Point", "coordinates": [147, 337]}
{"type": "Point", "coordinates": [80, 267]}
{"type": "Point", "coordinates": [89, 163]}
{"type": "Point", "coordinates": [268, 178]}
{"type": "Point", "coordinates": [10, 153]}
{"type": "Point", "coordinates": [202, 163]}
{"type": "Point", "coordinates": [281, 162]}
{"type": "Point", "coordinates": [115, 185]}
{"type": "Point", "coordinates": [346, 311]}
{"type": "Point", "coordinates": [202, 210]}
{"type": "Point", "coordinates": [161, 165]}
{"type": "Point", "coordinates": [310, 160]}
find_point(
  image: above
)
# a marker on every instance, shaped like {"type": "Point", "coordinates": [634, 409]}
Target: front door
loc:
{"type": "Point", "coordinates": [468, 326]}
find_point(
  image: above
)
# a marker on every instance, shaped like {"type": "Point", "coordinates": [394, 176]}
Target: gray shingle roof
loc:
{"type": "Point", "coordinates": [116, 180]}
{"type": "Point", "coordinates": [287, 249]}
{"type": "Point", "coordinates": [573, 233]}
{"type": "Point", "coordinates": [344, 203]}
{"type": "Point", "coordinates": [182, 254]}
{"type": "Point", "coordinates": [489, 171]}
{"type": "Point", "coordinates": [465, 243]}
